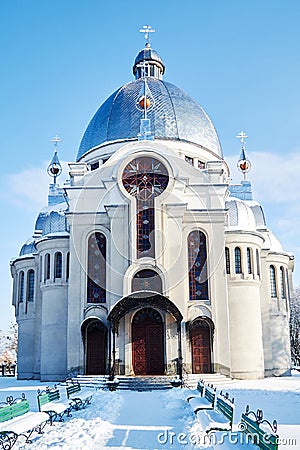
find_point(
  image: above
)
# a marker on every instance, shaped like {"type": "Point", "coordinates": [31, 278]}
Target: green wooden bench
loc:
{"type": "Point", "coordinates": [205, 401]}
{"type": "Point", "coordinates": [79, 397]}
{"type": "Point", "coordinates": [16, 420]}
{"type": "Point", "coordinates": [49, 401]}
{"type": "Point", "coordinates": [220, 418]}
{"type": "Point", "coordinates": [259, 431]}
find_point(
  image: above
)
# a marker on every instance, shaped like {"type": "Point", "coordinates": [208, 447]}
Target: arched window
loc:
{"type": "Point", "coordinates": [41, 269]}
{"type": "Point", "coordinates": [257, 263]}
{"type": "Point", "coordinates": [249, 260]}
{"type": "Point", "coordinates": [282, 283]}
{"type": "Point", "coordinates": [287, 284]}
{"type": "Point", "coordinates": [273, 285]}
{"type": "Point", "coordinates": [58, 265]}
{"type": "Point", "coordinates": [146, 280]}
{"type": "Point", "coordinates": [197, 260]}
{"type": "Point", "coordinates": [227, 260]}
{"type": "Point", "coordinates": [30, 285]}
{"type": "Point", "coordinates": [145, 178]}
{"type": "Point", "coordinates": [238, 260]}
{"type": "Point", "coordinates": [21, 287]}
{"type": "Point", "coordinates": [68, 266]}
{"type": "Point", "coordinates": [47, 266]}
{"type": "Point", "coordinates": [96, 278]}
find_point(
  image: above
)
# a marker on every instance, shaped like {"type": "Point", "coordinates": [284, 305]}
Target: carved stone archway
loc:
{"type": "Point", "coordinates": [138, 300]}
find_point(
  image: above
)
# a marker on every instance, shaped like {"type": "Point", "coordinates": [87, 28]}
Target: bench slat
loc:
{"type": "Point", "coordinates": [265, 440]}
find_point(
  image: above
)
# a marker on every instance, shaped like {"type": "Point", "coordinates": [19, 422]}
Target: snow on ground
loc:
{"type": "Point", "coordinates": [157, 419]}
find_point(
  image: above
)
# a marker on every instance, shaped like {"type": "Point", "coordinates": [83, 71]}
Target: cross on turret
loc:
{"type": "Point", "coordinates": [244, 165]}
{"type": "Point", "coordinates": [54, 168]}
{"type": "Point", "coordinates": [147, 29]}
{"type": "Point", "coordinates": [242, 136]}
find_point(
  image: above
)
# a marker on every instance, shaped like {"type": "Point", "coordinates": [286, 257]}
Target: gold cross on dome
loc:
{"type": "Point", "coordinates": [242, 136]}
{"type": "Point", "coordinates": [147, 29]}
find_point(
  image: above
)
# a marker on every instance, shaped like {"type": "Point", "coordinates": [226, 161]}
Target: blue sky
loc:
{"type": "Point", "coordinates": [61, 59]}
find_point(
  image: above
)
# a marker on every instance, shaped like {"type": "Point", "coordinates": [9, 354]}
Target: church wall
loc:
{"type": "Point", "coordinates": [76, 295]}
{"type": "Point", "coordinates": [276, 311]}
{"type": "Point", "coordinates": [54, 333]}
{"type": "Point", "coordinates": [27, 318]}
{"type": "Point", "coordinates": [246, 332]}
{"type": "Point", "coordinates": [53, 313]}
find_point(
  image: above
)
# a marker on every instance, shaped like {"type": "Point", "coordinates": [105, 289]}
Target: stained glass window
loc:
{"type": "Point", "coordinates": [282, 283]}
{"type": "Point", "coordinates": [197, 259]}
{"type": "Point", "coordinates": [273, 285]}
{"type": "Point", "coordinates": [58, 265]}
{"type": "Point", "coordinates": [227, 260]}
{"type": "Point", "coordinates": [47, 266]}
{"type": "Point", "coordinates": [238, 260]}
{"type": "Point", "coordinates": [96, 278]}
{"type": "Point", "coordinates": [68, 266]}
{"type": "Point", "coordinates": [21, 287]}
{"type": "Point", "coordinates": [145, 178]}
{"type": "Point", "coordinates": [249, 260]}
{"type": "Point", "coordinates": [30, 285]}
{"type": "Point", "coordinates": [257, 263]}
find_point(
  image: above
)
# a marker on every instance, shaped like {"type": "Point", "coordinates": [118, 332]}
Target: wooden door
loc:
{"type": "Point", "coordinates": [147, 343]}
{"type": "Point", "coordinates": [201, 348]}
{"type": "Point", "coordinates": [95, 348]}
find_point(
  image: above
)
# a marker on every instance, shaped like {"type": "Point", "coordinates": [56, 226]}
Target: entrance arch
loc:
{"type": "Point", "coordinates": [135, 302]}
{"type": "Point", "coordinates": [201, 345]}
{"type": "Point", "coordinates": [148, 343]}
{"type": "Point", "coordinates": [95, 343]}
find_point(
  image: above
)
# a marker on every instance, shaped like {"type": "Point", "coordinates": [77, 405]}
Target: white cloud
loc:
{"type": "Point", "coordinates": [28, 189]}
{"type": "Point", "coordinates": [275, 178]}
{"type": "Point", "coordinates": [275, 184]}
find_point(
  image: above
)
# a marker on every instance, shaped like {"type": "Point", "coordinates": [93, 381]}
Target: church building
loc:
{"type": "Point", "coordinates": [147, 261]}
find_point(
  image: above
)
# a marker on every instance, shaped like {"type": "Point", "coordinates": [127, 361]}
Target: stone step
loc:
{"type": "Point", "coordinates": [144, 383]}
{"type": "Point", "coordinates": [147, 383]}
{"type": "Point", "coordinates": [217, 379]}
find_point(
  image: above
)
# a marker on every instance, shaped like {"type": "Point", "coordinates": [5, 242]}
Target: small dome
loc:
{"type": "Point", "coordinates": [272, 243]}
{"type": "Point", "coordinates": [258, 214]}
{"type": "Point", "coordinates": [55, 222]}
{"type": "Point", "coordinates": [28, 248]}
{"type": "Point", "coordinates": [240, 215]}
{"type": "Point", "coordinates": [174, 116]}
{"type": "Point", "coordinates": [150, 56]}
{"type": "Point", "coordinates": [39, 223]}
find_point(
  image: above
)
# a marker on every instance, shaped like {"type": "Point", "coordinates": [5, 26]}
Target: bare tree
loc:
{"type": "Point", "coordinates": [295, 327]}
{"type": "Point", "coordinates": [14, 338]}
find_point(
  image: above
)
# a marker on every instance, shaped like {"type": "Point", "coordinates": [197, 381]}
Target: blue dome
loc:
{"type": "Point", "coordinates": [148, 54]}
{"type": "Point", "coordinates": [55, 222]}
{"type": "Point", "coordinates": [28, 248]}
{"type": "Point", "coordinates": [174, 115]}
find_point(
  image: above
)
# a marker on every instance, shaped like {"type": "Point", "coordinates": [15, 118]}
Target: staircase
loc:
{"type": "Point", "coordinates": [149, 383]}
{"type": "Point", "coordinates": [96, 381]}
{"type": "Point", "coordinates": [218, 380]}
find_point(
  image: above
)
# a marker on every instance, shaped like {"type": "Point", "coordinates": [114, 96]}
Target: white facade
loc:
{"type": "Point", "coordinates": [89, 315]}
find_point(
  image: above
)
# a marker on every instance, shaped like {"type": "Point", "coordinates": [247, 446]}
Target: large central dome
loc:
{"type": "Point", "coordinates": [173, 114]}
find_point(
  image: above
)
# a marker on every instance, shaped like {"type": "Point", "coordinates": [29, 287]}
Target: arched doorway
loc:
{"type": "Point", "coordinates": [148, 343]}
{"type": "Point", "coordinates": [201, 338]}
{"type": "Point", "coordinates": [95, 338]}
